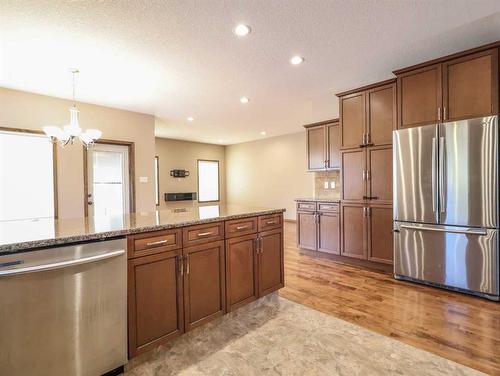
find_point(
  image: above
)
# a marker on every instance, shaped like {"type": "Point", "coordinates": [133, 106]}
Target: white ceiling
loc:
{"type": "Point", "coordinates": [180, 58]}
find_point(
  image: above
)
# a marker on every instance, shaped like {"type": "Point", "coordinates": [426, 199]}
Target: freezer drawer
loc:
{"type": "Point", "coordinates": [455, 257]}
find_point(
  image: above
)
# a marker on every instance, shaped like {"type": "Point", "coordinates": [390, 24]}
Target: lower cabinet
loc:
{"type": "Point", "coordinates": [354, 231]}
{"type": "Point", "coordinates": [306, 230]}
{"type": "Point", "coordinates": [380, 236]}
{"type": "Point", "coordinates": [155, 300]}
{"type": "Point", "coordinates": [270, 262]}
{"type": "Point", "coordinates": [204, 283]}
{"type": "Point", "coordinates": [329, 233]}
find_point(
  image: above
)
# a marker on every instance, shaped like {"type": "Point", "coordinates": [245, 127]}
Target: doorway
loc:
{"type": "Point", "coordinates": [109, 179]}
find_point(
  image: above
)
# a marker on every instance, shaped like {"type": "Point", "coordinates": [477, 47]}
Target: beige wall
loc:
{"type": "Point", "coordinates": [176, 154]}
{"type": "Point", "coordinates": [32, 111]}
{"type": "Point", "coordinates": [269, 172]}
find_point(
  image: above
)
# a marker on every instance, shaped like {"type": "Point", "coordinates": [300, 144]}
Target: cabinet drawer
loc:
{"type": "Point", "coordinates": [306, 206]}
{"type": "Point", "coordinates": [154, 242]}
{"type": "Point", "coordinates": [327, 207]}
{"type": "Point", "coordinates": [203, 233]}
{"type": "Point", "coordinates": [237, 227]}
{"type": "Point", "coordinates": [269, 222]}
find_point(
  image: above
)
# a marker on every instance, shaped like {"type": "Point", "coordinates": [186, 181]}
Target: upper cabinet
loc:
{"type": "Point", "coordinates": [457, 87]}
{"type": "Point", "coordinates": [368, 115]}
{"type": "Point", "coordinates": [323, 146]}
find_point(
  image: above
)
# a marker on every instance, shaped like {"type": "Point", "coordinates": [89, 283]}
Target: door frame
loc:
{"type": "Point", "coordinates": [131, 172]}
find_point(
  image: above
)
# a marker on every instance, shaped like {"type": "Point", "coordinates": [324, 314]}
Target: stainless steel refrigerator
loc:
{"type": "Point", "coordinates": [446, 205]}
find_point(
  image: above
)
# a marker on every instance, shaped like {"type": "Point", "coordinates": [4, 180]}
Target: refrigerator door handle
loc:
{"type": "Point", "coordinates": [467, 231]}
{"type": "Point", "coordinates": [433, 174]}
{"type": "Point", "coordinates": [442, 196]}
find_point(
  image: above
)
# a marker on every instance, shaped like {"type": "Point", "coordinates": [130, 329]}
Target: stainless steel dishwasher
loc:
{"type": "Point", "coordinates": [63, 311]}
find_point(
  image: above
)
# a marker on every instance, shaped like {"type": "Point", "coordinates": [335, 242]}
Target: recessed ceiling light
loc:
{"type": "Point", "coordinates": [241, 30]}
{"type": "Point", "coordinates": [220, 141]}
{"type": "Point", "coordinates": [296, 60]}
{"type": "Point", "coordinates": [190, 118]}
{"type": "Point", "coordinates": [263, 133]}
{"type": "Point", "coordinates": [244, 100]}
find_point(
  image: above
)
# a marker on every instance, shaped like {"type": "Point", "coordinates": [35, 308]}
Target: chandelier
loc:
{"type": "Point", "coordinates": [69, 133]}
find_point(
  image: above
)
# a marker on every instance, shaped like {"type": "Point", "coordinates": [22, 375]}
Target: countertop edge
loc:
{"type": "Point", "coordinates": [318, 199]}
{"type": "Point", "coordinates": [6, 249]}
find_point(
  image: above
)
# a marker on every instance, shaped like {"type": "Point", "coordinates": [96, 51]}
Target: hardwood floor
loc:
{"type": "Point", "coordinates": [461, 328]}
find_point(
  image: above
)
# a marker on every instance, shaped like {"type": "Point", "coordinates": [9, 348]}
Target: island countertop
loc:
{"type": "Point", "coordinates": [21, 235]}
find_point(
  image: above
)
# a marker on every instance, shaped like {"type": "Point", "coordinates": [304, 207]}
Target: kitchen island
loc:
{"type": "Point", "coordinates": [185, 265]}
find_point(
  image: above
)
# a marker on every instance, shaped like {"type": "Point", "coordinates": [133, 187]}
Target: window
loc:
{"type": "Point", "coordinates": [208, 181]}
{"type": "Point", "coordinates": [157, 180]}
{"type": "Point", "coordinates": [27, 176]}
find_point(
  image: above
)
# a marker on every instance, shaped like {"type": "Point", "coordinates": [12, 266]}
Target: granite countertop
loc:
{"type": "Point", "coordinates": [318, 199]}
{"type": "Point", "coordinates": [16, 236]}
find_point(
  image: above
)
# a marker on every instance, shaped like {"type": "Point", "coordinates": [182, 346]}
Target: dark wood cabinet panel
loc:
{"type": "Point", "coordinates": [316, 142]}
{"type": "Point", "coordinates": [379, 160]}
{"type": "Point", "coordinates": [241, 271]}
{"type": "Point", "coordinates": [155, 300]}
{"type": "Point", "coordinates": [204, 283]}
{"type": "Point", "coordinates": [381, 114]}
{"type": "Point", "coordinates": [306, 230]}
{"type": "Point", "coordinates": [352, 120]}
{"type": "Point", "coordinates": [380, 247]}
{"type": "Point", "coordinates": [353, 175]}
{"type": "Point", "coordinates": [204, 233]}
{"type": "Point", "coordinates": [271, 273]}
{"type": "Point", "coordinates": [470, 86]}
{"type": "Point", "coordinates": [353, 231]}
{"type": "Point", "coordinates": [419, 96]}
{"type": "Point", "coordinates": [239, 227]}
{"type": "Point", "coordinates": [153, 242]}
{"type": "Point", "coordinates": [329, 232]}
{"type": "Point", "coordinates": [333, 146]}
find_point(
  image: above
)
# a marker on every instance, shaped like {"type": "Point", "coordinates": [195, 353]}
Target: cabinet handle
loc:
{"type": "Point", "coordinates": [239, 228]}
{"type": "Point", "coordinates": [270, 222]}
{"type": "Point", "coordinates": [156, 243]}
{"type": "Point", "coordinates": [439, 113]}
{"type": "Point", "coordinates": [187, 264]}
{"type": "Point", "coordinates": [445, 113]}
{"type": "Point", "coordinates": [364, 175]}
{"type": "Point", "coordinates": [368, 173]}
{"type": "Point", "coordinates": [181, 264]}
{"type": "Point", "coordinates": [205, 233]}
{"type": "Point", "coordinates": [260, 247]}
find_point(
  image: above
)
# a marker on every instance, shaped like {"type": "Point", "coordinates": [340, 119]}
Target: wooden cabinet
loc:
{"type": "Point", "coordinates": [271, 261]}
{"type": "Point", "coordinates": [323, 145]}
{"type": "Point", "coordinates": [204, 283]}
{"type": "Point", "coordinates": [353, 175]}
{"type": "Point", "coordinates": [367, 232]}
{"type": "Point", "coordinates": [155, 300]}
{"type": "Point", "coordinates": [368, 115]}
{"type": "Point", "coordinates": [329, 232]}
{"type": "Point", "coordinates": [241, 271]}
{"type": "Point", "coordinates": [457, 87]}
{"type": "Point", "coordinates": [306, 229]}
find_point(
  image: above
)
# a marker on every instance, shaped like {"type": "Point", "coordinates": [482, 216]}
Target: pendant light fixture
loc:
{"type": "Point", "coordinates": [70, 132]}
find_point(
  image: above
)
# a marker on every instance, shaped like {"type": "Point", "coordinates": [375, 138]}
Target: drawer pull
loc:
{"type": "Point", "coordinates": [239, 228]}
{"type": "Point", "coordinates": [205, 233]}
{"type": "Point", "coordinates": [271, 222]}
{"type": "Point", "coordinates": [165, 241]}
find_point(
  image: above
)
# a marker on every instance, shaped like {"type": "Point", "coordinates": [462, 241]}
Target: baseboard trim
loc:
{"type": "Point", "coordinates": [291, 220]}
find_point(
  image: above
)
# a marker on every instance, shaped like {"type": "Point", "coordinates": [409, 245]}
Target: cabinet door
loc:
{"type": "Point", "coordinates": [380, 244]}
{"type": "Point", "coordinates": [354, 231]}
{"type": "Point", "coordinates": [329, 233]}
{"type": "Point", "coordinates": [419, 94]}
{"type": "Point", "coordinates": [353, 175]}
{"type": "Point", "coordinates": [333, 146]}
{"type": "Point", "coordinates": [379, 161]}
{"type": "Point", "coordinates": [155, 301]}
{"type": "Point", "coordinates": [241, 271]}
{"type": "Point", "coordinates": [316, 141]}
{"type": "Point", "coordinates": [204, 283]}
{"type": "Point", "coordinates": [306, 230]}
{"type": "Point", "coordinates": [352, 119]}
{"type": "Point", "coordinates": [381, 114]}
{"type": "Point", "coordinates": [271, 266]}
{"type": "Point", "coordinates": [470, 86]}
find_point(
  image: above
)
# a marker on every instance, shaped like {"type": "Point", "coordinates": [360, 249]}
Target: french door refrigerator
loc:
{"type": "Point", "coordinates": [446, 205]}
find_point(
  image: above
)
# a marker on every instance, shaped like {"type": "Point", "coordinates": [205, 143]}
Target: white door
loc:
{"type": "Point", "coordinates": [108, 180]}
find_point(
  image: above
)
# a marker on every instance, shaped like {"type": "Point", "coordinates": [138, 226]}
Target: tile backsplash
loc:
{"type": "Point", "coordinates": [323, 182]}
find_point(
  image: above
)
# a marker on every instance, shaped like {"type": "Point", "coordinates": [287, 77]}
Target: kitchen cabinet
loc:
{"type": "Point", "coordinates": [271, 261]}
{"type": "Point", "coordinates": [204, 283]}
{"type": "Point", "coordinates": [368, 115]}
{"type": "Point", "coordinates": [241, 270]}
{"type": "Point", "coordinates": [155, 300]}
{"type": "Point", "coordinates": [367, 174]}
{"type": "Point", "coordinates": [318, 226]}
{"type": "Point", "coordinates": [367, 232]}
{"type": "Point", "coordinates": [323, 145]}
{"type": "Point", "coordinates": [451, 88]}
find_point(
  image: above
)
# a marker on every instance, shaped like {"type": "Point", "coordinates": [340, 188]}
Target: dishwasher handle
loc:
{"type": "Point", "coordinates": [61, 264]}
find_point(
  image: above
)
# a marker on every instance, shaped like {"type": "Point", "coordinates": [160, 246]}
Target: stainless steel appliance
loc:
{"type": "Point", "coordinates": [446, 205]}
{"type": "Point", "coordinates": [63, 310]}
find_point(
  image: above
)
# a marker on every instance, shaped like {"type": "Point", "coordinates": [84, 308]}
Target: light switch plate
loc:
{"type": "Point", "coordinates": [326, 185]}
{"type": "Point", "coordinates": [143, 179]}
{"type": "Point", "coordinates": [332, 185]}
